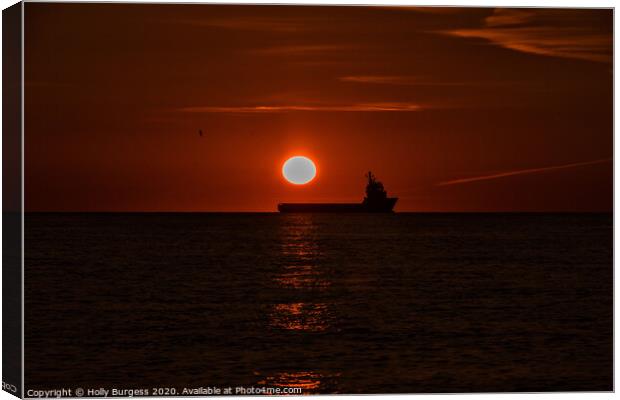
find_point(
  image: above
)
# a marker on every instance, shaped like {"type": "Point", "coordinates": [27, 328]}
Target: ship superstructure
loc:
{"type": "Point", "coordinates": [375, 201]}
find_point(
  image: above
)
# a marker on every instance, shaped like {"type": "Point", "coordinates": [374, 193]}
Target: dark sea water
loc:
{"type": "Point", "coordinates": [327, 303]}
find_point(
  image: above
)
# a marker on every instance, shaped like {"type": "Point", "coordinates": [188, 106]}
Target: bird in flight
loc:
{"type": "Point", "coordinates": [200, 132]}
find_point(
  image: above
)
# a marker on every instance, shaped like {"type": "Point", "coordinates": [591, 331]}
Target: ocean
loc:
{"type": "Point", "coordinates": [344, 303]}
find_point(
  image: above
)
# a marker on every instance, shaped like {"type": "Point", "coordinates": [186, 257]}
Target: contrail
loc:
{"type": "Point", "coordinates": [522, 172]}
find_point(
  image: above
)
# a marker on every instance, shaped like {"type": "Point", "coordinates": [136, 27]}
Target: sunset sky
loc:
{"type": "Point", "coordinates": [454, 109]}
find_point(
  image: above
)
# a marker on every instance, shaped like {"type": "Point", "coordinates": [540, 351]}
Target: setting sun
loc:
{"type": "Point", "coordinates": [299, 170]}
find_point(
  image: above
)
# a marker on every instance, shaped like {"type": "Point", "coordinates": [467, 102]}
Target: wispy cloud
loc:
{"type": "Point", "coordinates": [442, 10]}
{"type": "Point", "coordinates": [264, 24]}
{"type": "Point", "coordinates": [361, 107]}
{"type": "Point", "coordinates": [401, 80]}
{"type": "Point", "coordinates": [503, 17]}
{"type": "Point", "coordinates": [256, 24]}
{"type": "Point", "coordinates": [300, 49]}
{"type": "Point", "coordinates": [522, 172]}
{"type": "Point", "coordinates": [382, 79]}
{"type": "Point", "coordinates": [555, 33]}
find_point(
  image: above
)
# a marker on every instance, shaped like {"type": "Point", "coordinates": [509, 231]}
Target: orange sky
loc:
{"type": "Point", "coordinates": [454, 109]}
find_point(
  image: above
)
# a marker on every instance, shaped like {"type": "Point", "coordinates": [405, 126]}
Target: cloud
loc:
{"type": "Point", "coordinates": [300, 49]}
{"type": "Point", "coordinates": [562, 33]}
{"type": "Point", "coordinates": [361, 107]}
{"type": "Point", "coordinates": [402, 80]}
{"type": "Point", "coordinates": [441, 10]}
{"type": "Point", "coordinates": [522, 172]}
{"type": "Point", "coordinates": [502, 17]}
{"type": "Point", "coordinates": [265, 24]}
{"type": "Point", "coordinates": [382, 79]}
{"type": "Point", "coordinates": [268, 24]}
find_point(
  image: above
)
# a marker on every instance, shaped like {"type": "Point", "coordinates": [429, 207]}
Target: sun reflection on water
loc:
{"type": "Point", "coordinates": [303, 380]}
{"type": "Point", "coordinates": [302, 277]}
{"type": "Point", "coordinates": [300, 271]}
{"type": "Point", "coordinates": [308, 381]}
{"type": "Point", "coordinates": [301, 256]}
{"type": "Point", "coordinates": [306, 317]}
{"type": "Point", "coordinates": [302, 305]}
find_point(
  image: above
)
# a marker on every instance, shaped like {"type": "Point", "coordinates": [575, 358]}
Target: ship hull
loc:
{"type": "Point", "coordinates": [385, 207]}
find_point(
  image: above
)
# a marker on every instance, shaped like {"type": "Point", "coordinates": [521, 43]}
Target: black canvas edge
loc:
{"type": "Point", "coordinates": [12, 200]}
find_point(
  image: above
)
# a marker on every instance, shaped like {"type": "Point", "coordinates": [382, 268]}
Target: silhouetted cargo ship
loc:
{"type": "Point", "coordinates": [376, 201]}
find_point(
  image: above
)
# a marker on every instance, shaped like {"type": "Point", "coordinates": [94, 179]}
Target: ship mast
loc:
{"type": "Point", "coordinates": [371, 177]}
